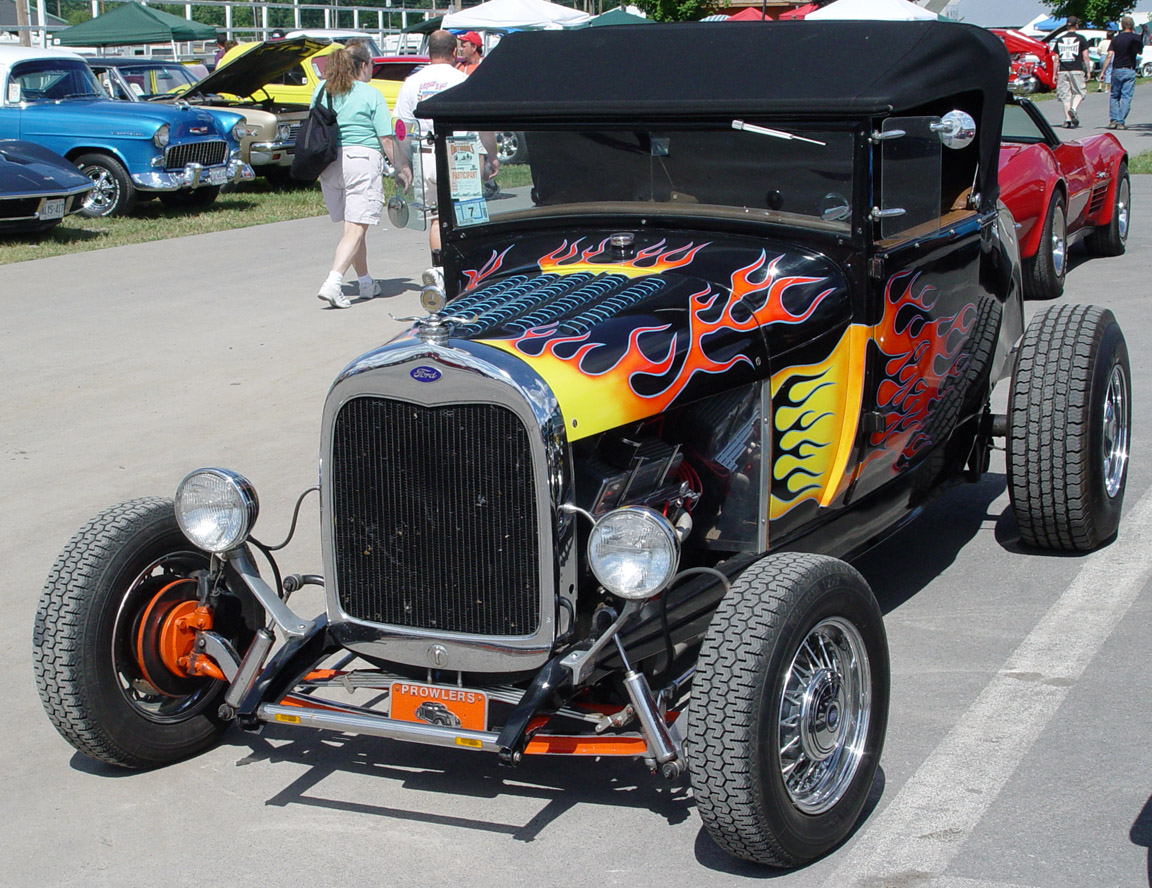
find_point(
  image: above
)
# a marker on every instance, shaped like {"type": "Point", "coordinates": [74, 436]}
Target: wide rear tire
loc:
{"type": "Point", "coordinates": [1044, 272]}
{"type": "Point", "coordinates": [116, 576]}
{"type": "Point", "coordinates": [789, 708]}
{"type": "Point", "coordinates": [1112, 239]}
{"type": "Point", "coordinates": [1069, 428]}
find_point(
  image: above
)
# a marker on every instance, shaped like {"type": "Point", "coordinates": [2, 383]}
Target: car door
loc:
{"type": "Point", "coordinates": [9, 110]}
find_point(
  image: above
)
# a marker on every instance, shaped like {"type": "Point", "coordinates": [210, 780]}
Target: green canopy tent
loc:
{"type": "Point", "coordinates": [132, 23]}
{"type": "Point", "coordinates": [618, 16]}
{"type": "Point", "coordinates": [425, 27]}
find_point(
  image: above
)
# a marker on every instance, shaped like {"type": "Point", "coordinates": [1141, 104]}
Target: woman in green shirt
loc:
{"type": "Point", "coordinates": [353, 184]}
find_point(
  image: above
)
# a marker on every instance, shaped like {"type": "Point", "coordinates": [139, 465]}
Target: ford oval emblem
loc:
{"type": "Point", "coordinates": [424, 374]}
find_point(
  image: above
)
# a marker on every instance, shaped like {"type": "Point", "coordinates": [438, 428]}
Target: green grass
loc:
{"type": "Point", "coordinates": [1141, 163]}
{"type": "Point", "coordinates": [1092, 85]}
{"type": "Point", "coordinates": [253, 203]}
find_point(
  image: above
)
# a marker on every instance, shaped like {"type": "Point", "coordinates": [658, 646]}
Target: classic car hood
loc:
{"type": "Point", "coordinates": [264, 62]}
{"type": "Point", "coordinates": [619, 338]}
{"type": "Point", "coordinates": [105, 116]}
{"type": "Point", "coordinates": [29, 168]}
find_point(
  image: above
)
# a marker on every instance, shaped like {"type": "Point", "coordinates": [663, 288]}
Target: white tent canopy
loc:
{"type": "Point", "coordinates": [504, 15]}
{"type": "Point", "coordinates": [876, 10]}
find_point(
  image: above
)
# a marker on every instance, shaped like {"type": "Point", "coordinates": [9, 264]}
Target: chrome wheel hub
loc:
{"type": "Point", "coordinates": [1122, 200]}
{"type": "Point", "coordinates": [105, 192]}
{"type": "Point", "coordinates": [1114, 434]}
{"type": "Point", "coordinates": [1059, 246]}
{"type": "Point", "coordinates": [824, 715]}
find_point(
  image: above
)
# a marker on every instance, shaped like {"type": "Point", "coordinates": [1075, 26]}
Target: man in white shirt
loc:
{"type": "Point", "coordinates": [433, 78]}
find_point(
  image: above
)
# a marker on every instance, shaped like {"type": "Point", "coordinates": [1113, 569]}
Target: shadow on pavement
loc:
{"type": "Point", "coordinates": [1141, 834]}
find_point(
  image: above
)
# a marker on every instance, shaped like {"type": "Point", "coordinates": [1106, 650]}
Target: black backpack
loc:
{"type": "Point", "coordinates": [318, 143]}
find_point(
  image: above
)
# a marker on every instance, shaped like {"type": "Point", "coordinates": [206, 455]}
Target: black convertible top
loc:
{"type": "Point", "coordinates": [798, 70]}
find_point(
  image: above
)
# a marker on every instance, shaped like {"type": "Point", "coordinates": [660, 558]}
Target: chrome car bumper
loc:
{"type": "Point", "coordinates": [193, 176]}
{"type": "Point", "coordinates": [271, 153]}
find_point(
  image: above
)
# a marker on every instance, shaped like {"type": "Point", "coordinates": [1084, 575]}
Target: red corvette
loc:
{"type": "Point", "coordinates": [1033, 63]}
{"type": "Point", "coordinates": [1060, 193]}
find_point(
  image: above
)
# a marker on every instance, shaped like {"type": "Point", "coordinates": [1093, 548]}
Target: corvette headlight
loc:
{"type": "Point", "coordinates": [161, 137]}
{"type": "Point", "coordinates": [216, 509]}
{"type": "Point", "coordinates": [634, 552]}
{"type": "Point", "coordinates": [239, 131]}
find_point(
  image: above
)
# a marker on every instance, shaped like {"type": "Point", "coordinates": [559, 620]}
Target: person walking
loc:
{"type": "Point", "coordinates": [435, 77]}
{"type": "Point", "coordinates": [1072, 79]}
{"type": "Point", "coordinates": [1125, 53]}
{"type": "Point", "coordinates": [1104, 83]}
{"type": "Point", "coordinates": [471, 52]}
{"type": "Point", "coordinates": [353, 184]}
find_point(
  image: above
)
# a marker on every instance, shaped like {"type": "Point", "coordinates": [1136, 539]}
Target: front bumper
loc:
{"type": "Point", "coordinates": [271, 153]}
{"type": "Point", "coordinates": [193, 176]}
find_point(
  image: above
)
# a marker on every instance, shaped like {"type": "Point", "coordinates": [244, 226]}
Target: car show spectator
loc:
{"type": "Point", "coordinates": [471, 52]}
{"type": "Point", "coordinates": [353, 184]}
{"type": "Point", "coordinates": [1071, 83]}
{"type": "Point", "coordinates": [435, 77]}
{"type": "Point", "coordinates": [1104, 80]}
{"type": "Point", "coordinates": [1124, 53]}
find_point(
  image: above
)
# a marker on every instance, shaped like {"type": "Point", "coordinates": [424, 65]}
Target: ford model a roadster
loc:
{"type": "Point", "coordinates": [596, 502]}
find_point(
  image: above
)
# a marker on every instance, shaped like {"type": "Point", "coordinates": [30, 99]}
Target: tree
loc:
{"type": "Point", "coordinates": [1095, 12]}
{"type": "Point", "coordinates": [677, 10]}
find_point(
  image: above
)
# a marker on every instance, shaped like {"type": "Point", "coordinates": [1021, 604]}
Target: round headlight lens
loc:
{"type": "Point", "coordinates": [161, 137]}
{"type": "Point", "coordinates": [216, 509]}
{"type": "Point", "coordinates": [283, 132]}
{"type": "Point", "coordinates": [239, 131]}
{"type": "Point", "coordinates": [634, 552]}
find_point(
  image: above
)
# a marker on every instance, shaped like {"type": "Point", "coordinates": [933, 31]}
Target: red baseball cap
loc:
{"type": "Point", "coordinates": [473, 38]}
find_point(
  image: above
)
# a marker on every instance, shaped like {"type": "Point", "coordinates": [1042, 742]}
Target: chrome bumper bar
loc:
{"type": "Point", "coordinates": [271, 153]}
{"type": "Point", "coordinates": [379, 726]}
{"type": "Point", "coordinates": [193, 176]}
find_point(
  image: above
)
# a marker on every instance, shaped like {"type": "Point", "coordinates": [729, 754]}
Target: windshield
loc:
{"type": "Point", "coordinates": [794, 175]}
{"type": "Point", "coordinates": [153, 81]}
{"type": "Point", "coordinates": [50, 80]}
{"type": "Point", "coordinates": [1020, 127]}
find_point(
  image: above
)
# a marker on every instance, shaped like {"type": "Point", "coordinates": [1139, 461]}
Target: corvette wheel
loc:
{"type": "Point", "coordinates": [1112, 239]}
{"type": "Point", "coordinates": [113, 193]}
{"type": "Point", "coordinates": [1044, 274]}
{"type": "Point", "coordinates": [788, 710]}
{"type": "Point", "coordinates": [117, 612]}
{"type": "Point", "coordinates": [1069, 427]}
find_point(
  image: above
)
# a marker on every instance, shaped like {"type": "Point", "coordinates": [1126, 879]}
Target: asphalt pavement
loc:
{"type": "Point", "coordinates": [1017, 751]}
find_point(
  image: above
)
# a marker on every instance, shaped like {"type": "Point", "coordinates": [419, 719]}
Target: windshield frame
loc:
{"type": "Point", "coordinates": [853, 146]}
{"type": "Point", "coordinates": [67, 67]}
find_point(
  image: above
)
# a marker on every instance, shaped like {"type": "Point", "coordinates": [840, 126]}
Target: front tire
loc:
{"type": "Point", "coordinates": [510, 148]}
{"type": "Point", "coordinates": [113, 193]}
{"type": "Point", "coordinates": [1069, 425]}
{"type": "Point", "coordinates": [789, 708]}
{"type": "Point", "coordinates": [104, 689]}
{"type": "Point", "coordinates": [1044, 273]}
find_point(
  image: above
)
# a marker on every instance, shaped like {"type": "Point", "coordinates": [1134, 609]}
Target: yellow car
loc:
{"type": "Point", "coordinates": [297, 84]}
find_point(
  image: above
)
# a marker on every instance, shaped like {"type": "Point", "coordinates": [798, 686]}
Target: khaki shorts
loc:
{"type": "Point", "coordinates": [1069, 84]}
{"type": "Point", "coordinates": [353, 186]}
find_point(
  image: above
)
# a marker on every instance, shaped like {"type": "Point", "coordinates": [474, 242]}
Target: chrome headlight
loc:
{"type": "Point", "coordinates": [216, 509]}
{"type": "Point", "coordinates": [161, 137]}
{"type": "Point", "coordinates": [239, 131]}
{"type": "Point", "coordinates": [283, 132]}
{"type": "Point", "coordinates": [634, 552]}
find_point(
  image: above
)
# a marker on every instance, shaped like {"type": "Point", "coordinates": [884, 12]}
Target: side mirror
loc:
{"type": "Point", "coordinates": [956, 129]}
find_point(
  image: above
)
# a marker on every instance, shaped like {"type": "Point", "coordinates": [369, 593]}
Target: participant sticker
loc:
{"type": "Point", "coordinates": [471, 212]}
{"type": "Point", "coordinates": [464, 169]}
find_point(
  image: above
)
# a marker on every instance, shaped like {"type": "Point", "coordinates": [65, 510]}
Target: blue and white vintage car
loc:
{"type": "Point", "coordinates": [183, 154]}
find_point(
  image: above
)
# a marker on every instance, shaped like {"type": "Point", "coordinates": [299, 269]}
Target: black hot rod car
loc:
{"type": "Point", "coordinates": [743, 324]}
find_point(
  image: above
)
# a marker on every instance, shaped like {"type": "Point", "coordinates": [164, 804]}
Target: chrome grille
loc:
{"type": "Point", "coordinates": [433, 516]}
{"type": "Point", "coordinates": [293, 132]}
{"type": "Point", "coordinates": [211, 153]}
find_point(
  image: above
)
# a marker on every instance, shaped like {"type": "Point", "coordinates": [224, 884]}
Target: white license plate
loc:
{"type": "Point", "coordinates": [52, 208]}
{"type": "Point", "coordinates": [217, 176]}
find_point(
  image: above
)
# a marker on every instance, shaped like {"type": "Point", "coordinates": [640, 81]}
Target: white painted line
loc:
{"type": "Point", "coordinates": [924, 826]}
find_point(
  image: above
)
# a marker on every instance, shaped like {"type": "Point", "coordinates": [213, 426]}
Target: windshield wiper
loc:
{"type": "Point", "coordinates": [774, 133]}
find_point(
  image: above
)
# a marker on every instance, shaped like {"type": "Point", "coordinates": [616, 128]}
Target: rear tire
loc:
{"type": "Point", "coordinates": [1112, 239]}
{"type": "Point", "coordinates": [788, 710]}
{"type": "Point", "coordinates": [89, 633]}
{"type": "Point", "coordinates": [1044, 273]}
{"type": "Point", "coordinates": [1069, 423]}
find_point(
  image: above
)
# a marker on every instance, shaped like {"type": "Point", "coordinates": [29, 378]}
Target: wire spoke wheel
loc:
{"type": "Point", "coordinates": [824, 715]}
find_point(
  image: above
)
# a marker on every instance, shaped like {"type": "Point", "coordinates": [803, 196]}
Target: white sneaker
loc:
{"type": "Point", "coordinates": [371, 291]}
{"type": "Point", "coordinates": [334, 295]}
